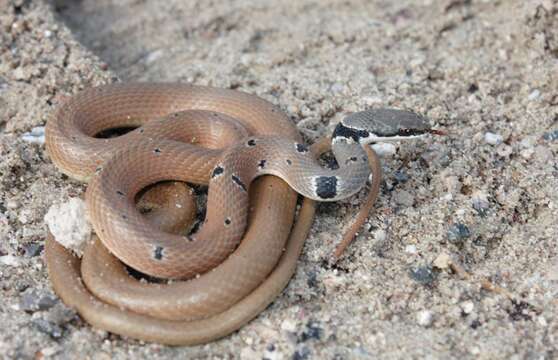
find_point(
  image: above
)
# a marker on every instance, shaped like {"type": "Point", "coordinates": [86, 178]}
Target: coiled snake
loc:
{"type": "Point", "coordinates": [244, 252]}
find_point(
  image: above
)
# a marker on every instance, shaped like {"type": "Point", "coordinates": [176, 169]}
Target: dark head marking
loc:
{"type": "Point", "coordinates": [326, 186]}
{"type": "Point", "coordinates": [227, 221]}
{"type": "Point", "coordinates": [349, 133]}
{"type": "Point", "coordinates": [301, 148]}
{"type": "Point", "coordinates": [239, 182]}
{"type": "Point", "coordinates": [289, 162]}
{"type": "Point", "coordinates": [217, 171]}
{"type": "Point", "coordinates": [157, 151]}
{"type": "Point", "coordinates": [261, 164]}
{"type": "Point", "coordinates": [158, 253]}
{"type": "Point", "coordinates": [251, 142]}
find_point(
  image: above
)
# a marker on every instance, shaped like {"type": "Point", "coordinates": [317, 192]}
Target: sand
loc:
{"type": "Point", "coordinates": [483, 197]}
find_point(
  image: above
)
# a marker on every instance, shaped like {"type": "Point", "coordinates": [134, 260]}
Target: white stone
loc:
{"type": "Point", "coordinates": [424, 317]}
{"type": "Point", "coordinates": [36, 135]}
{"type": "Point", "coordinates": [467, 306]}
{"type": "Point", "coordinates": [411, 249]}
{"type": "Point", "coordinates": [534, 94]}
{"type": "Point", "coordinates": [288, 325]}
{"type": "Point", "coordinates": [443, 261]}
{"type": "Point", "coordinates": [68, 223]}
{"type": "Point", "coordinates": [493, 139]}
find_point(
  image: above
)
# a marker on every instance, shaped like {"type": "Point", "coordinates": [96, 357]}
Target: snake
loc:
{"type": "Point", "coordinates": [244, 251]}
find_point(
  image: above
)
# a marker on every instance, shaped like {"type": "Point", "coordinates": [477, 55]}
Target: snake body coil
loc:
{"type": "Point", "coordinates": [200, 135]}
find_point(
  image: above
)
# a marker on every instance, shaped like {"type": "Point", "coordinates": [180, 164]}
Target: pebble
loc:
{"type": "Point", "coordinates": [442, 262]}
{"type": "Point", "coordinates": [424, 318]}
{"type": "Point", "coordinates": [49, 328]}
{"type": "Point", "coordinates": [534, 94]}
{"type": "Point", "coordinates": [36, 135]}
{"type": "Point", "coordinates": [33, 300]}
{"type": "Point", "coordinates": [312, 331]}
{"type": "Point", "coordinates": [411, 249]}
{"type": "Point", "coordinates": [403, 198]}
{"type": "Point", "coordinates": [288, 325]}
{"type": "Point", "coordinates": [68, 223]}
{"type": "Point", "coordinates": [400, 176]}
{"type": "Point", "coordinates": [422, 275]}
{"type": "Point", "coordinates": [33, 249]}
{"type": "Point", "coordinates": [458, 232]}
{"type": "Point", "coordinates": [467, 306]}
{"type": "Point", "coordinates": [493, 139]}
{"type": "Point", "coordinates": [10, 260]}
{"type": "Point", "coordinates": [551, 135]}
{"type": "Point", "coordinates": [480, 202]}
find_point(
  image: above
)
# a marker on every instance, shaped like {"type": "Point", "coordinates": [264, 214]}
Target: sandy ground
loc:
{"type": "Point", "coordinates": [486, 71]}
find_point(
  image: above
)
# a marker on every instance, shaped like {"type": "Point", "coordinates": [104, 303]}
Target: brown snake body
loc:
{"type": "Point", "coordinates": [198, 135]}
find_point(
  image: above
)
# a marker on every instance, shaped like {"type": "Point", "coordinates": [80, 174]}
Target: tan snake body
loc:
{"type": "Point", "coordinates": [172, 120]}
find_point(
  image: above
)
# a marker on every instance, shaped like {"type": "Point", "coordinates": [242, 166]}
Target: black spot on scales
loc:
{"type": "Point", "coordinates": [251, 142]}
{"type": "Point", "coordinates": [217, 171]}
{"type": "Point", "coordinates": [326, 187]}
{"type": "Point", "coordinates": [289, 162]}
{"type": "Point", "coordinates": [261, 164]}
{"type": "Point", "coordinates": [158, 253]}
{"type": "Point", "coordinates": [227, 221]}
{"type": "Point", "coordinates": [349, 133]}
{"type": "Point", "coordinates": [119, 192]}
{"type": "Point", "coordinates": [301, 148]}
{"type": "Point", "coordinates": [239, 182]}
{"type": "Point", "coordinates": [157, 151]}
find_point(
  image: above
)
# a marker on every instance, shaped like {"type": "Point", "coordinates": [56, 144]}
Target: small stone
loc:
{"type": "Point", "coordinates": [534, 94]}
{"type": "Point", "coordinates": [422, 275]}
{"type": "Point", "coordinates": [411, 249]}
{"type": "Point", "coordinates": [288, 325]}
{"type": "Point", "coordinates": [50, 351]}
{"type": "Point", "coordinates": [36, 135]}
{"type": "Point", "coordinates": [10, 260]}
{"type": "Point", "coordinates": [302, 353]}
{"type": "Point", "coordinates": [68, 223]}
{"type": "Point", "coordinates": [32, 300]}
{"type": "Point", "coordinates": [551, 135]}
{"type": "Point", "coordinates": [400, 176]}
{"type": "Point", "coordinates": [312, 331]}
{"type": "Point", "coordinates": [403, 198]}
{"type": "Point", "coordinates": [493, 139]}
{"type": "Point", "coordinates": [49, 328]}
{"type": "Point", "coordinates": [480, 202]}
{"type": "Point", "coordinates": [443, 261]}
{"type": "Point", "coordinates": [467, 306]}
{"type": "Point", "coordinates": [12, 204]}
{"type": "Point", "coordinates": [504, 150]}
{"type": "Point", "coordinates": [424, 318]}
{"type": "Point", "coordinates": [33, 249]}
{"type": "Point", "coordinates": [458, 232]}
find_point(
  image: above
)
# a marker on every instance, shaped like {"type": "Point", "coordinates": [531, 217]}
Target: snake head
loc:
{"type": "Point", "coordinates": [380, 125]}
